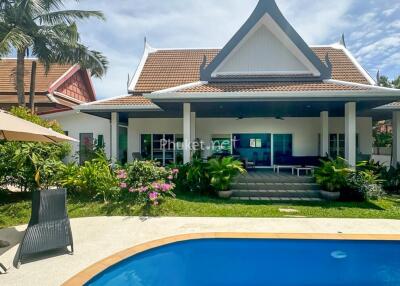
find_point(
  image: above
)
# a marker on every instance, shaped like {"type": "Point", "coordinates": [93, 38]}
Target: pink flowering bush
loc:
{"type": "Point", "coordinates": [147, 181]}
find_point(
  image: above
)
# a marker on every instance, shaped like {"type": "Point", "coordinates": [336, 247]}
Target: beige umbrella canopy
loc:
{"type": "Point", "coordinates": [13, 128]}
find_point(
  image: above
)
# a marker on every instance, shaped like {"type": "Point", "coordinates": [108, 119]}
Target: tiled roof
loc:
{"type": "Point", "coordinates": [138, 100]}
{"type": "Point", "coordinates": [43, 81]}
{"type": "Point", "coordinates": [12, 99]}
{"type": "Point", "coordinates": [169, 68]}
{"type": "Point", "coordinates": [270, 87]}
{"type": "Point", "coordinates": [342, 66]}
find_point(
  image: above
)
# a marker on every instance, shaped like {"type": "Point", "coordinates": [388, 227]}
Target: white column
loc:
{"type": "Point", "coordinates": [186, 132]}
{"type": "Point", "coordinates": [114, 136]}
{"type": "Point", "coordinates": [350, 133]}
{"type": "Point", "coordinates": [396, 138]}
{"type": "Point", "coordinates": [324, 115]}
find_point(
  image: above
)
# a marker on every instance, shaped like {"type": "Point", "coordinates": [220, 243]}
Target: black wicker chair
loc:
{"type": "Point", "coordinates": [49, 227]}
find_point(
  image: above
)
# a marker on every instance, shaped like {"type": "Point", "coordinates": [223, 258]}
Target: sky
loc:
{"type": "Point", "coordinates": [371, 28]}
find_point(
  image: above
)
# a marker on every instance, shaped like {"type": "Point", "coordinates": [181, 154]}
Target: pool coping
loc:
{"type": "Point", "coordinates": [87, 274]}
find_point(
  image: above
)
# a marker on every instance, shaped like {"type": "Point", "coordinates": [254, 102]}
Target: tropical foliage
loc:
{"type": "Point", "coordinates": [367, 183]}
{"type": "Point", "coordinates": [31, 166]}
{"type": "Point", "coordinates": [95, 178]}
{"type": "Point", "coordinates": [222, 172]}
{"type": "Point", "coordinates": [360, 183]}
{"type": "Point", "coordinates": [42, 28]}
{"type": "Point", "coordinates": [391, 179]}
{"type": "Point", "coordinates": [332, 175]}
{"type": "Point", "coordinates": [193, 177]}
{"type": "Point", "coordinates": [206, 177]}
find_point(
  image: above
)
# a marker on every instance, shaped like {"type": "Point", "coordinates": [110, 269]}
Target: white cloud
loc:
{"type": "Point", "coordinates": [391, 11]}
{"type": "Point", "coordinates": [210, 23]}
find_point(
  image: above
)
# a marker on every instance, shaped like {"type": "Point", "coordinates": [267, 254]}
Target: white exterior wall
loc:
{"type": "Point", "coordinates": [304, 130]}
{"type": "Point", "coordinates": [76, 123]}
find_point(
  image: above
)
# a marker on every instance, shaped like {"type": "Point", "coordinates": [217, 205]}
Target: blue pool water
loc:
{"type": "Point", "coordinates": [251, 262]}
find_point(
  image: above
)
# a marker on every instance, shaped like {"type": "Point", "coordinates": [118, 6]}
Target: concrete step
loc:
{"type": "Point", "coordinates": [278, 199]}
{"type": "Point", "coordinates": [273, 179]}
{"type": "Point", "coordinates": [277, 193]}
{"type": "Point", "coordinates": [274, 186]}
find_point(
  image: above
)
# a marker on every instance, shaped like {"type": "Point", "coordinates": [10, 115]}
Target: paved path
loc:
{"type": "Point", "coordinates": [97, 238]}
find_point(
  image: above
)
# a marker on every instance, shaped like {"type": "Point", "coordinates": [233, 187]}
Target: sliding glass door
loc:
{"type": "Point", "coordinates": [283, 148]}
{"type": "Point", "coordinates": [254, 147]}
{"type": "Point", "coordinates": [160, 148]}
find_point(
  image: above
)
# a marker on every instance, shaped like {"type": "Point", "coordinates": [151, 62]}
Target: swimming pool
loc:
{"type": "Point", "coordinates": [259, 262]}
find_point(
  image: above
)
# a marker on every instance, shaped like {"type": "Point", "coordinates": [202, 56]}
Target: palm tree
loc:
{"type": "Point", "coordinates": [49, 33]}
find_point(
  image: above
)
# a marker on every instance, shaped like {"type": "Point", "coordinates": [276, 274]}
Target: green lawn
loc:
{"type": "Point", "coordinates": [15, 210]}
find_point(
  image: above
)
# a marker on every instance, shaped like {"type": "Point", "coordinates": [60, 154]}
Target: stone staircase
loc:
{"type": "Point", "coordinates": [268, 186]}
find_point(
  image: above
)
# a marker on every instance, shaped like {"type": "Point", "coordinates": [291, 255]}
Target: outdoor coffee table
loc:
{"type": "Point", "coordinates": [305, 169]}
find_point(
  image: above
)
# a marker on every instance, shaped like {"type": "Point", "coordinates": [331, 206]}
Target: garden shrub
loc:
{"type": "Point", "coordinates": [147, 181]}
{"type": "Point", "coordinates": [391, 179]}
{"type": "Point", "coordinates": [95, 178]}
{"type": "Point", "coordinates": [353, 185]}
{"type": "Point", "coordinates": [222, 172]}
{"type": "Point", "coordinates": [332, 175]}
{"type": "Point", "coordinates": [367, 184]}
{"type": "Point", "coordinates": [193, 177]}
{"type": "Point", "coordinates": [32, 166]}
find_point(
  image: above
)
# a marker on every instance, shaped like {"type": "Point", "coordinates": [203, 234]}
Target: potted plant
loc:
{"type": "Point", "coordinates": [332, 176]}
{"type": "Point", "coordinates": [222, 172]}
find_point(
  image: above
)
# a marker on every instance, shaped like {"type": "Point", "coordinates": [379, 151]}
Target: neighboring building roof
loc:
{"type": "Point", "coordinates": [62, 87]}
{"type": "Point", "coordinates": [43, 81]}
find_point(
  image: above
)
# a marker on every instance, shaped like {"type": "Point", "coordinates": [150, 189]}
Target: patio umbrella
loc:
{"type": "Point", "coordinates": [13, 128]}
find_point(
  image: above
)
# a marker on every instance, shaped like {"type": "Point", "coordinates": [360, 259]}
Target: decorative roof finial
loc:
{"type": "Point", "coordinates": [378, 77]}
{"type": "Point", "coordinates": [342, 41]}
{"type": "Point", "coordinates": [203, 65]}
{"type": "Point", "coordinates": [328, 64]}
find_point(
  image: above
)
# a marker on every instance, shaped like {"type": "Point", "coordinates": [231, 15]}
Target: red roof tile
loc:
{"type": "Point", "coordinates": [169, 68]}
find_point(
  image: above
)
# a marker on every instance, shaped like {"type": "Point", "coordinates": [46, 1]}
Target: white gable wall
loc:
{"type": "Point", "coordinates": [76, 123]}
{"type": "Point", "coordinates": [266, 50]}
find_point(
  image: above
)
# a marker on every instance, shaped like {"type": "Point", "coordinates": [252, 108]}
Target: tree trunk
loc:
{"type": "Point", "coordinates": [32, 88]}
{"type": "Point", "coordinates": [21, 77]}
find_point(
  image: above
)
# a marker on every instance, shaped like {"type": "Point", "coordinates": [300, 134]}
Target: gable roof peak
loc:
{"type": "Point", "coordinates": [268, 14]}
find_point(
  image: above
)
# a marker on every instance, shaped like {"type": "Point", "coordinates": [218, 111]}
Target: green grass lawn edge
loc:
{"type": "Point", "coordinates": [17, 211]}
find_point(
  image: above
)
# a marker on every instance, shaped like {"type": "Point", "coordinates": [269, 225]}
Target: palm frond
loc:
{"type": "Point", "coordinates": [67, 16]}
{"type": "Point", "coordinates": [15, 38]}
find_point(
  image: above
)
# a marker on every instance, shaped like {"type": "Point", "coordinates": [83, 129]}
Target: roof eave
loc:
{"type": "Point", "coordinates": [355, 95]}
{"type": "Point", "coordinates": [109, 107]}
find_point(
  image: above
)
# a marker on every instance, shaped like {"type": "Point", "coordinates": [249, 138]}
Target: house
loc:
{"type": "Point", "coordinates": [266, 96]}
{"type": "Point", "coordinates": [57, 92]}
{"type": "Point", "coordinates": [60, 89]}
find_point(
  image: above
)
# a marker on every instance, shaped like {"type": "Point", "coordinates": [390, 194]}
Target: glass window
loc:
{"type": "Point", "coordinates": [221, 145]}
{"type": "Point", "coordinates": [337, 145]}
{"type": "Point", "coordinates": [283, 148]}
{"type": "Point", "coordinates": [253, 147]}
{"type": "Point", "coordinates": [179, 149]}
{"type": "Point", "coordinates": [341, 152]}
{"type": "Point", "coordinates": [333, 145]}
{"type": "Point", "coordinates": [100, 141]}
{"type": "Point", "coordinates": [123, 145]}
{"type": "Point", "coordinates": [145, 146]}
